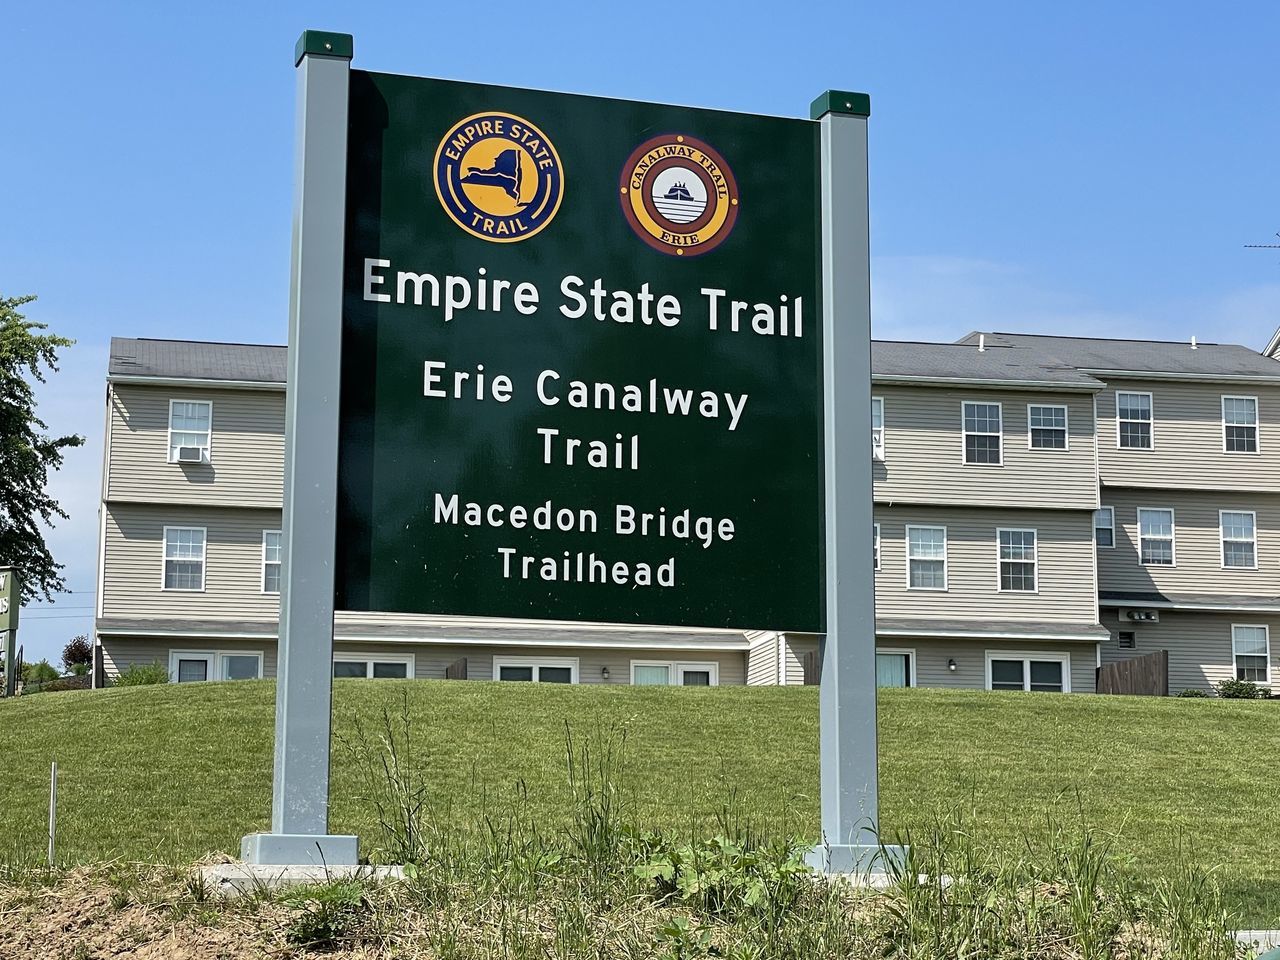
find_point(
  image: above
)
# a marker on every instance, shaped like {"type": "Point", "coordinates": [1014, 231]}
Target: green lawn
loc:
{"type": "Point", "coordinates": [170, 773]}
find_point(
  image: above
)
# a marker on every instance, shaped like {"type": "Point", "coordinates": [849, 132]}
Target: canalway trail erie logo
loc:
{"type": "Point", "coordinates": [679, 195]}
{"type": "Point", "coordinates": [498, 177]}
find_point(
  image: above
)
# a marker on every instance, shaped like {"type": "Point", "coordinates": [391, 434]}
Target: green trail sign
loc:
{"type": "Point", "coordinates": [581, 359]}
{"type": "Point", "coordinates": [10, 605]}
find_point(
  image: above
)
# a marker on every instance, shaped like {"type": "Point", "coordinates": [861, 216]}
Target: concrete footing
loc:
{"type": "Point", "coordinates": [239, 879]}
{"type": "Point", "coordinates": [854, 858]}
{"type": "Point", "coordinates": [305, 849]}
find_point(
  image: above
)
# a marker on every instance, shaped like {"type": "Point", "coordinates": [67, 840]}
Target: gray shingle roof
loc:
{"type": "Point", "coordinates": [1137, 598]}
{"type": "Point", "coordinates": [1147, 356]}
{"type": "Point", "coordinates": [951, 361]}
{"type": "Point", "coordinates": [189, 359]}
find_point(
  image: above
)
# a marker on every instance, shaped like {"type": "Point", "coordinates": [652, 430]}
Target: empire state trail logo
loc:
{"type": "Point", "coordinates": [498, 177]}
{"type": "Point", "coordinates": [679, 195]}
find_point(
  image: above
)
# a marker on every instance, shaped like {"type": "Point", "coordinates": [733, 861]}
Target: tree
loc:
{"type": "Point", "coordinates": [27, 453]}
{"type": "Point", "coordinates": [41, 672]}
{"type": "Point", "coordinates": [77, 655]}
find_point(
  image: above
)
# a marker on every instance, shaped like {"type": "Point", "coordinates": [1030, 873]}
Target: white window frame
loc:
{"type": "Point", "coordinates": [875, 545]}
{"type": "Point", "coordinates": [677, 668]}
{"type": "Point", "coordinates": [208, 445]}
{"type": "Point", "coordinates": [1266, 632]}
{"type": "Point", "coordinates": [262, 582]}
{"type": "Point", "coordinates": [214, 659]}
{"type": "Point", "coordinates": [946, 549]}
{"type": "Point", "coordinates": [1112, 527]}
{"type": "Point", "coordinates": [877, 433]}
{"type": "Point", "coordinates": [1151, 405]}
{"type": "Point", "coordinates": [1173, 536]}
{"type": "Point", "coordinates": [910, 654]}
{"type": "Point", "coordinates": [1027, 656]}
{"type": "Point", "coordinates": [1222, 539]}
{"type": "Point", "coordinates": [164, 560]}
{"type": "Point", "coordinates": [1257, 426]}
{"type": "Point", "coordinates": [964, 433]}
{"type": "Point", "coordinates": [513, 661]}
{"type": "Point", "coordinates": [1035, 560]}
{"type": "Point", "coordinates": [357, 656]}
{"type": "Point", "coordinates": [1066, 426]}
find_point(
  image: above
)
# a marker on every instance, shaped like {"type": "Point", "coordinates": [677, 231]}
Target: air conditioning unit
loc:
{"type": "Point", "coordinates": [1142, 616]}
{"type": "Point", "coordinates": [191, 454]}
{"type": "Point", "coordinates": [877, 446]}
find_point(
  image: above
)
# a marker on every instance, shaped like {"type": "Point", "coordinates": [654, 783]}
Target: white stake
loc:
{"type": "Point", "coordinates": [53, 808]}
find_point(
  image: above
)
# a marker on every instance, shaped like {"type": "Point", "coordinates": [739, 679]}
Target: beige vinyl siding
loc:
{"type": "Point", "coordinates": [1199, 644]}
{"type": "Point", "coordinates": [971, 661]}
{"type": "Point", "coordinates": [1064, 546]}
{"type": "Point", "coordinates": [797, 647]}
{"type": "Point", "coordinates": [924, 451]}
{"type": "Point", "coordinates": [1197, 543]}
{"type": "Point", "coordinates": [762, 660]}
{"type": "Point", "coordinates": [233, 563]}
{"type": "Point", "coordinates": [121, 653]}
{"type": "Point", "coordinates": [1187, 436]}
{"type": "Point", "coordinates": [246, 465]}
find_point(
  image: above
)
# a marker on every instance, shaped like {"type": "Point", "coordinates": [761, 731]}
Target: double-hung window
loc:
{"type": "Point", "coordinates": [1251, 650]}
{"type": "Point", "coordinates": [1239, 529]}
{"type": "Point", "coordinates": [927, 558]}
{"type": "Point", "coordinates": [190, 429]}
{"type": "Point", "coordinates": [895, 667]}
{"type": "Point", "coordinates": [981, 433]}
{"type": "Point", "coordinates": [1134, 419]}
{"type": "Point", "coordinates": [877, 428]}
{"type": "Point", "coordinates": [1104, 527]}
{"type": "Point", "coordinates": [1155, 538]}
{"type": "Point", "coordinates": [1042, 672]}
{"type": "Point", "coordinates": [661, 673]}
{"type": "Point", "coordinates": [271, 552]}
{"type": "Point", "coordinates": [184, 558]}
{"type": "Point", "coordinates": [1240, 424]}
{"type": "Point", "coordinates": [536, 669]}
{"type": "Point", "coordinates": [1017, 561]}
{"type": "Point", "coordinates": [1047, 426]}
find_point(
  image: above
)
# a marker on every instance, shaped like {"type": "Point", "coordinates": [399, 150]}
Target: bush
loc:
{"type": "Point", "coordinates": [1240, 690]}
{"type": "Point", "coordinates": [1192, 693]}
{"type": "Point", "coordinates": [142, 675]}
{"type": "Point", "coordinates": [41, 672]}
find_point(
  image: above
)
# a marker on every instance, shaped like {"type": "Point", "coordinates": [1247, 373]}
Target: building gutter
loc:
{"type": "Point", "coordinates": [145, 381]}
{"type": "Point", "coordinates": [1200, 377]}
{"type": "Point", "coordinates": [1075, 386]}
{"type": "Point", "coordinates": [985, 635]}
{"type": "Point", "coordinates": [1173, 605]}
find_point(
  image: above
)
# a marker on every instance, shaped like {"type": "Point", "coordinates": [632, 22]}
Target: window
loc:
{"type": "Point", "coordinates": [1240, 424]}
{"type": "Point", "coordinates": [1155, 538]}
{"type": "Point", "coordinates": [927, 558]}
{"type": "Point", "coordinates": [653, 673]}
{"type": "Point", "coordinates": [1047, 426]}
{"type": "Point", "coordinates": [1037, 672]}
{"type": "Point", "coordinates": [1239, 538]}
{"type": "Point", "coordinates": [374, 666]}
{"type": "Point", "coordinates": [982, 433]}
{"type": "Point", "coordinates": [1127, 640]}
{"type": "Point", "coordinates": [1251, 648]}
{"type": "Point", "coordinates": [877, 428]}
{"type": "Point", "coordinates": [184, 558]}
{"type": "Point", "coordinates": [1104, 527]}
{"type": "Point", "coordinates": [895, 668]}
{"type": "Point", "coordinates": [536, 669]}
{"type": "Point", "coordinates": [197, 666]}
{"type": "Point", "coordinates": [189, 426]}
{"type": "Point", "coordinates": [1133, 420]}
{"type": "Point", "coordinates": [1017, 560]}
{"type": "Point", "coordinates": [271, 552]}
{"type": "Point", "coordinates": [875, 545]}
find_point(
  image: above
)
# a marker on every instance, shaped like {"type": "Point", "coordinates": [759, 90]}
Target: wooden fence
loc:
{"type": "Point", "coordinates": [1142, 676]}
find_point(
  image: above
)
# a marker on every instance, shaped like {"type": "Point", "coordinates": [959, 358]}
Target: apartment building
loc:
{"type": "Point", "coordinates": [1043, 505]}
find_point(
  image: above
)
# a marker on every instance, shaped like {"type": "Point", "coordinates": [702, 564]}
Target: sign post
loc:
{"type": "Point", "coordinates": [300, 786]}
{"type": "Point", "coordinates": [847, 697]}
{"type": "Point", "coordinates": [10, 605]}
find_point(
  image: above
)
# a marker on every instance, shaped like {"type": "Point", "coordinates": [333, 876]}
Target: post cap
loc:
{"type": "Point", "coordinates": [324, 44]}
{"type": "Point", "coordinates": [841, 101]}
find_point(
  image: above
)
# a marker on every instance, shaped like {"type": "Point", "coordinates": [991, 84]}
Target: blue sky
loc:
{"type": "Point", "coordinates": [1087, 168]}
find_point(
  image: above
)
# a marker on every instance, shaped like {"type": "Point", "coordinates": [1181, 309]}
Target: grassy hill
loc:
{"type": "Point", "coordinates": [171, 773]}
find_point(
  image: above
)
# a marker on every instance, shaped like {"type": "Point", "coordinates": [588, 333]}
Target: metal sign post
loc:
{"type": "Point", "coordinates": [10, 605]}
{"type": "Point", "coordinates": [847, 698]}
{"type": "Point", "coordinates": [300, 792]}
